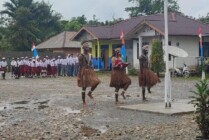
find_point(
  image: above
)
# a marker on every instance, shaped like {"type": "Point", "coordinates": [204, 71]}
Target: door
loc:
{"type": "Point", "coordinates": [105, 57]}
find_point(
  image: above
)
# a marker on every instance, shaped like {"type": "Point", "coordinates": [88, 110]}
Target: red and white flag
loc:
{"type": "Point", "coordinates": [200, 35]}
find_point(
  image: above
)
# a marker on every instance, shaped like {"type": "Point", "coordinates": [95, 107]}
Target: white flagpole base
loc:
{"type": "Point", "coordinates": [126, 70]}
{"type": "Point", "coordinates": [203, 75]}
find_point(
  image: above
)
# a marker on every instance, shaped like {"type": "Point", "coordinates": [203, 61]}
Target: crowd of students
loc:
{"type": "Point", "coordinates": [40, 67]}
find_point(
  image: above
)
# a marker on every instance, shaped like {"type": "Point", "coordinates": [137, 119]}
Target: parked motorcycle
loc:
{"type": "Point", "coordinates": [182, 73]}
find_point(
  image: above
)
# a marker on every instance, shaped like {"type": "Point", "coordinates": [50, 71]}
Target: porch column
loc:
{"type": "Point", "coordinates": [110, 49]}
{"type": "Point", "coordinates": [140, 45]}
{"type": "Point", "coordinates": [98, 50]}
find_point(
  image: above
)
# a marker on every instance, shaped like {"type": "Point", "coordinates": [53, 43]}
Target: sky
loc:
{"type": "Point", "coordinates": [109, 9]}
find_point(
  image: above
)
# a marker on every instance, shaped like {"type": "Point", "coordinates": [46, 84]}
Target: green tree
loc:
{"type": "Point", "coordinates": [75, 24]}
{"type": "Point", "coordinates": [29, 22]}
{"type": "Point", "coordinates": [205, 19]}
{"type": "Point", "coordinates": [148, 7]}
{"type": "Point", "coordinates": [157, 61]}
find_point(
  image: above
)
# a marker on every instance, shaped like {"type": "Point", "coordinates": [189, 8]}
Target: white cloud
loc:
{"type": "Point", "coordinates": [106, 9]}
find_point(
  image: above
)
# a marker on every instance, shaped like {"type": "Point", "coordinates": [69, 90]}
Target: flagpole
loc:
{"type": "Point", "coordinates": [167, 74]}
{"type": "Point", "coordinates": [201, 51]}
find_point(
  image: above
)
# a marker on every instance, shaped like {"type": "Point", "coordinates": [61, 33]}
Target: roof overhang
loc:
{"type": "Point", "coordinates": [136, 29]}
{"type": "Point", "coordinates": [78, 37]}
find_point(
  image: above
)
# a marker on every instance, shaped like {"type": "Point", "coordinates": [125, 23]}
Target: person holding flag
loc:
{"type": "Point", "coordinates": [119, 79]}
{"type": "Point", "coordinates": [35, 52]}
{"type": "Point", "coordinates": [123, 48]}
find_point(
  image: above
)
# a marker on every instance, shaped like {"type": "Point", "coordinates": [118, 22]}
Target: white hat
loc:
{"type": "Point", "coordinates": [3, 58]}
{"type": "Point", "coordinates": [145, 47]}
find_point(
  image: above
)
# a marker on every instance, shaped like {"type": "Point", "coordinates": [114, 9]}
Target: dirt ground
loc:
{"type": "Point", "coordinates": [51, 108]}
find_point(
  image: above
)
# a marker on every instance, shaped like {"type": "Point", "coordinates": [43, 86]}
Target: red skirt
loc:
{"type": "Point", "coordinates": [26, 69]}
{"type": "Point", "coordinates": [4, 69]}
{"type": "Point", "coordinates": [33, 70]}
{"type": "Point", "coordinates": [53, 70]}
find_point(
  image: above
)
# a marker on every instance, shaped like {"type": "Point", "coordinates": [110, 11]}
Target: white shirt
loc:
{"type": "Point", "coordinates": [16, 64]}
{"type": "Point", "coordinates": [3, 63]}
{"type": "Point", "coordinates": [64, 61]}
{"type": "Point", "coordinates": [12, 62]}
{"type": "Point", "coordinates": [38, 63]}
{"type": "Point", "coordinates": [58, 61]}
{"type": "Point", "coordinates": [33, 63]}
{"type": "Point", "coordinates": [44, 64]}
{"type": "Point", "coordinates": [75, 59]}
{"type": "Point", "coordinates": [53, 63]}
{"type": "Point", "coordinates": [71, 60]}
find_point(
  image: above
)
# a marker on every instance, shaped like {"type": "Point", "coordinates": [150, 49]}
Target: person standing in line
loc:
{"type": "Point", "coordinates": [48, 62]}
{"type": "Point", "coordinates": [119, 78]}
{"type": "Point", "coordinates": [43, 68]}
{"type": "Point", "coordinates": [71, 62]}
{"type": "Point", "coordinates": [54, 67]}
{"type": "Point", "coordinates": [146, 77]}
{"type": "Point", "coordinates": [68, 64]}
{"type": "Point", "coordinates": [33, 68]}
{"type": "Point", "coordinates": [4, 67]}
{"type": "Point", "coordinates": [64, 66]}
{"type": "Point", "coordinates": [16, 68]}
{"type": "Point", "coordinates": [76, 65]}
{"type": "Point", "coordinates": [38, 67]}
{"type": "Point", "coordinates": [12, 65]}
{"type": "Point", "coordinates": [86, 75]}
{"type": "Point", "coordinates": [59, 66]}
{"type": "Point", "coordinates": [26, 67]}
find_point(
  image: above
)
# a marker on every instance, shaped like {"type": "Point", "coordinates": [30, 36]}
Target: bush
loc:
{"type": "Point", "coordinates": [201, 101]}
{"type": "Point", "coordinates": [133, 72]}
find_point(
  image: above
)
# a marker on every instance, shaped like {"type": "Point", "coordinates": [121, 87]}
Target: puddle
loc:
{"type": "Point", "coordinates": [6, 107]}
{"type": "Point", "coordinates": [43, 102]}
{"type": "Point", "coordinates": [71, 111]}
{"type": "Point", "coordinates": [88, 131]}
{"type": "Point", "coordinates": [20, 102]}
{"type": "Point", "coordinates": [102, 129]}
{"type": "Point", "coordinates": [40, 107]}
{"type": "Point", "coordinates": [21, 108]}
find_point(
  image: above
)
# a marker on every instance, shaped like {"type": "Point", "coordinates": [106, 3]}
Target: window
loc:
{"type": "Point", "coordinates": [96, 49]}
{"type": "Point", "coordinates": [169, 57]}
{"type": "Point", "coordinates": [137, 51]}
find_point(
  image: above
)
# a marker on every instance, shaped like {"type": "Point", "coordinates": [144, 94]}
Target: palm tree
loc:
{"type": "Point", "coordinates": [29, 22]}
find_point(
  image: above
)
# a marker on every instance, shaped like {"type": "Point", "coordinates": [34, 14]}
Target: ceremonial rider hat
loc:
{"type": "Point", "coordinates": [145, 47]}
{"type": "Point", "coordinates": [117, 49]}
{"type": "Point", "coordinates": [85, 43]}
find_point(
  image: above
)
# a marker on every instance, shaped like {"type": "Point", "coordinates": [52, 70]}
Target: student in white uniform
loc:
{"type": "Point", "coordinates": [59, 66]}
{"type": "Point", "coordinates": [53, 67]}
{"type": "Point", "coordinates": [76, 66]}
{"type": "Point", "coordinates": [64, 66]}
{"type": "Point", "coordinates": [4, 67]}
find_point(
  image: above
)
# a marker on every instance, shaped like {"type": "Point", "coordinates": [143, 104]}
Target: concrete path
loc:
{"type": "Point", "coordinates": [177, 107]}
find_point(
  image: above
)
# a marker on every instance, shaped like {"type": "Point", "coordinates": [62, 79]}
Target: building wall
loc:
{"type": "Point", "coordinates": [129, 52]}
{"type": "Point", "coordinates": [187, 43]}
{"type": "Point", "coordinates": [68, 50]}
{"type": "Point", "coordinates": [190, 45]}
